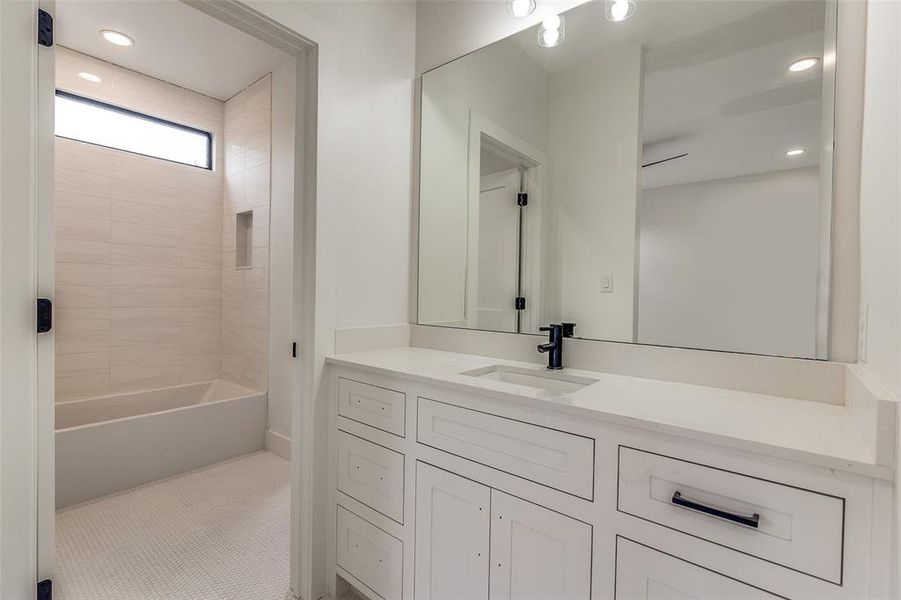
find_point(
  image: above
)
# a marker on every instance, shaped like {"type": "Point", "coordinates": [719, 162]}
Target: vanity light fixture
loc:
{"type": "Point", "coordinates": [795, 152]}
{"type": "Point", "coordinates": [521, 8]}
{"type": "Point", "coordinates": [89, 77]}
{"type": "Point", "coordinates": [551, 32]}
{"type": "Point", "coordinates": [803, 64]}
{"type": "Point", "coordinates": [619, 10]}
{"type": "Point", "coordinates": [116, 37]}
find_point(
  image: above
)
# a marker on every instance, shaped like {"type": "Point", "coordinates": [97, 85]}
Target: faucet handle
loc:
{"type": "Point", "coordinates": [568, 329]}
{"type": "Point", "coordinates": [545, 328]}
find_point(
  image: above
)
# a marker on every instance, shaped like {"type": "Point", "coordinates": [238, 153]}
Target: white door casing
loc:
{"type": "Point", "coordinates": [19, 210]}
{"type": "Point", "coordinates": [46, 162]}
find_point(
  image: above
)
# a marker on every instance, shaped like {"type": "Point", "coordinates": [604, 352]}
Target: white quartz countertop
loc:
{"type": "Point", "coordinates": [811, 432]}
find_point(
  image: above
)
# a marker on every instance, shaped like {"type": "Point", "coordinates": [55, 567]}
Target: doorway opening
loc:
{"type": "Point", "coordinates": [173, 372]}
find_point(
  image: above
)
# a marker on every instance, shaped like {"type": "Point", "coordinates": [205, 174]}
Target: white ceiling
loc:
{"type": "Point", "coordinates": [173, 42]}
{"type": "Point", "coordinates": [716, 84]}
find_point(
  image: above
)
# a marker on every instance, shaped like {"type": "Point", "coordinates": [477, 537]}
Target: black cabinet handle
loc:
{"type": "Point", "coordinates": [752, 521]}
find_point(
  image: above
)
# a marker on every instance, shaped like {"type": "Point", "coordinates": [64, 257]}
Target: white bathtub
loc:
{"type": "Point", "coordinates": [115, 442]}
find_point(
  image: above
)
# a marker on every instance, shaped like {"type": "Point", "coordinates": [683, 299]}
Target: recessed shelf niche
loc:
{"type": "Point", "coordinates": [244, 239]}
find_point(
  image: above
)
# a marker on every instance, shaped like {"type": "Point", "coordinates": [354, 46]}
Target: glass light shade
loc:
{"type": "Point", "coordinates": [619, 10]}
{"type": "Point", "coordinates": [521, 8]}
{"type": "Point", "coordinates": [551, 32]}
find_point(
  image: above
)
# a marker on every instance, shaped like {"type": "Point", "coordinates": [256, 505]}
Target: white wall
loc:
{"type": "Point", "coordinates": [880, 215]}
{"type": "Point", "coordinates": [880, 219]}
{"type": "Point", "coordinates": [595, 128]}
{"type": "Point", "coordinates": [282, 328]}
{"type": "Point", "coordinates": [373, 203]}
{"type": "Point", "coordinates": [696, 236]}
{"type": "Point", "coordinates": [506, 87]}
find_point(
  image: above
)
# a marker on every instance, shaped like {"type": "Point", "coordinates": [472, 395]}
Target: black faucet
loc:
{"type": "Point", "coordinates": [554, 347]}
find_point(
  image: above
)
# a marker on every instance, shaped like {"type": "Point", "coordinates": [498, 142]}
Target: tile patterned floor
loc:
{"type": "Point", "coordinates": [219, 533]}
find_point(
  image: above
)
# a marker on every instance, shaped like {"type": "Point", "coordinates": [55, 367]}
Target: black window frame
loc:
{"type": "Point", "coordinates": [133, 113]}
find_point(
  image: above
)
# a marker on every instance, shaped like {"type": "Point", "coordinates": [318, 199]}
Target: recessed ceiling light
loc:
{"type": "Point", "coordinates": [803, 64]}
{"type": "Point", "coordinates": [795, 152]}
{"type": "Point", "coordinates": [89, 77]}
{"type": "Point", "coordinates": [116, 37]}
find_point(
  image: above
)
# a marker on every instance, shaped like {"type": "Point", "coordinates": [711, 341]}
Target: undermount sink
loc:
{"type": "Point", "coordinates": [542, 379]}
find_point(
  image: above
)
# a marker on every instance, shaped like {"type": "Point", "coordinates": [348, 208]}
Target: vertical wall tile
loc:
{"type": "Point", "coordinates": [147, 287]}
{"type": "Point", "coordinates": [245, 291]}
{"type": "Point", "coordinates": [138, 248]}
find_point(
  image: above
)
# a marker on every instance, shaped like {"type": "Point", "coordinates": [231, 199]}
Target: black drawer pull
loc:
{"type": "Point", "coordinates": [752, 521]}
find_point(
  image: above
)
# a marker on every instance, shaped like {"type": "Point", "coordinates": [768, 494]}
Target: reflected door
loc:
{"type": "Point", "coordinates": [498, 263]}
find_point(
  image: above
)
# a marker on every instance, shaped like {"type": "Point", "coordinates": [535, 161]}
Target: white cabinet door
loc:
{"type": "Point", "coordinates": [537, 553]}
{"type": "Point", "coordinates": [643, 573]}
{"type": "Point", "coordinates": [452, 527]}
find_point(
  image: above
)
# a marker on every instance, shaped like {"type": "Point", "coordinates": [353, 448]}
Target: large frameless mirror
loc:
{"type": "Point", "coordinates": [664, 179]}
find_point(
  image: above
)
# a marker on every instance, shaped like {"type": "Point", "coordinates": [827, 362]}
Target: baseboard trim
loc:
{"type": "Point", "coordinates": [278, 444]}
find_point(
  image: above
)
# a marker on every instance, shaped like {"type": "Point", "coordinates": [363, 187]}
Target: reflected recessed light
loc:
{"type": "Point", "coordinates": [116, 37]}
{"type": "Point", "coordinates": [89, 77]}
{"type": "Point", "coordinates": [803, 64]}
{"type": "Point", "coordinates": [795, 152]}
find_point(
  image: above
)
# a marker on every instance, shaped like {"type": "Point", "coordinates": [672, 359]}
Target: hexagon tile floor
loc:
{"type": "Point", "coordinates": [218, 533]}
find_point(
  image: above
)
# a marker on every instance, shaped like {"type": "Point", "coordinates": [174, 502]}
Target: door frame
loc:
{"type": "Point", "coordinates": [479, 126]}
{"type": "Point", "coordinates": [26, 232]}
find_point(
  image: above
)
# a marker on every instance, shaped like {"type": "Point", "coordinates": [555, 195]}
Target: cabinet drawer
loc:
{"type": "Point", "coordinates": [796, 528]}
{"type": "Point", "coordinates": [372, 474]}
{"type": "Point", "coordinates": [375, 406]}
{"type": "Point", "coordinates": [646, 574]}
{"type": "Point", "coordinates": [559, 460]}
{"type": "Point", "coordinates": [369, 554]}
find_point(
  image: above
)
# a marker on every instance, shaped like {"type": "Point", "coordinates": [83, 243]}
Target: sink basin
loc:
{"type": "Point", "coordinates": [541, 379]}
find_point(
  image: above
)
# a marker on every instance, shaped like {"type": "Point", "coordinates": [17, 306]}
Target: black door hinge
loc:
{"type": "Point", "coordinates": [45, 590]}
{"type": "Point", "coordinates": [522, 199]}
{"type": "Point", "coordinates": [293, 349]}
{"type": "Point", "coordinates": [45, 315]}
{"type": "Point", "coordinates": [45, 28]}
{"type": "Point", "coordinates": [519, 303]}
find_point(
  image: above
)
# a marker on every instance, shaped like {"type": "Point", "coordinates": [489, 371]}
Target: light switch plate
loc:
{"type": "Point", "coordinates": [606, 283]}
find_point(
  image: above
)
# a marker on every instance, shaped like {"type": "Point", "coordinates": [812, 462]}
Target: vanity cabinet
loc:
{"type": "Point", "coordinates": [476, 542]}
{"type": "Point", "coordinates": [446, 493]}
{"type": "Point", "coordinates": [536, 552]}
{"type": "Point", "coordinates": [453, 520]}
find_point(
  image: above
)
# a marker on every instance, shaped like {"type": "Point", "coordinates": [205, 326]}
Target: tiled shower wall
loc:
{"type": "Point", "coordinates": [138, 247]}
{"type": "Point", "coordinates": [245, 289]}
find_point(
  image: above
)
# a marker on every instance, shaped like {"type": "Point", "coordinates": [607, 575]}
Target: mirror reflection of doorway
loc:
{"type": "Point", "coordinates": [499, 217]}
{"type": "Point", "coordinates": [499, 239]}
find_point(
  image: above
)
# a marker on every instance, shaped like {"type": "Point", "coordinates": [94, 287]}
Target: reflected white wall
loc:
{"type": "Point", "coordinates": [696, 237]}
{"type": "Point", "coordinates": [595, 128]}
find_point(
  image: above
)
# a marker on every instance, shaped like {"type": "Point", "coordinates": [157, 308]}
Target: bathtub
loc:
{"type": "Point", "coordinates": [111, 443]}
